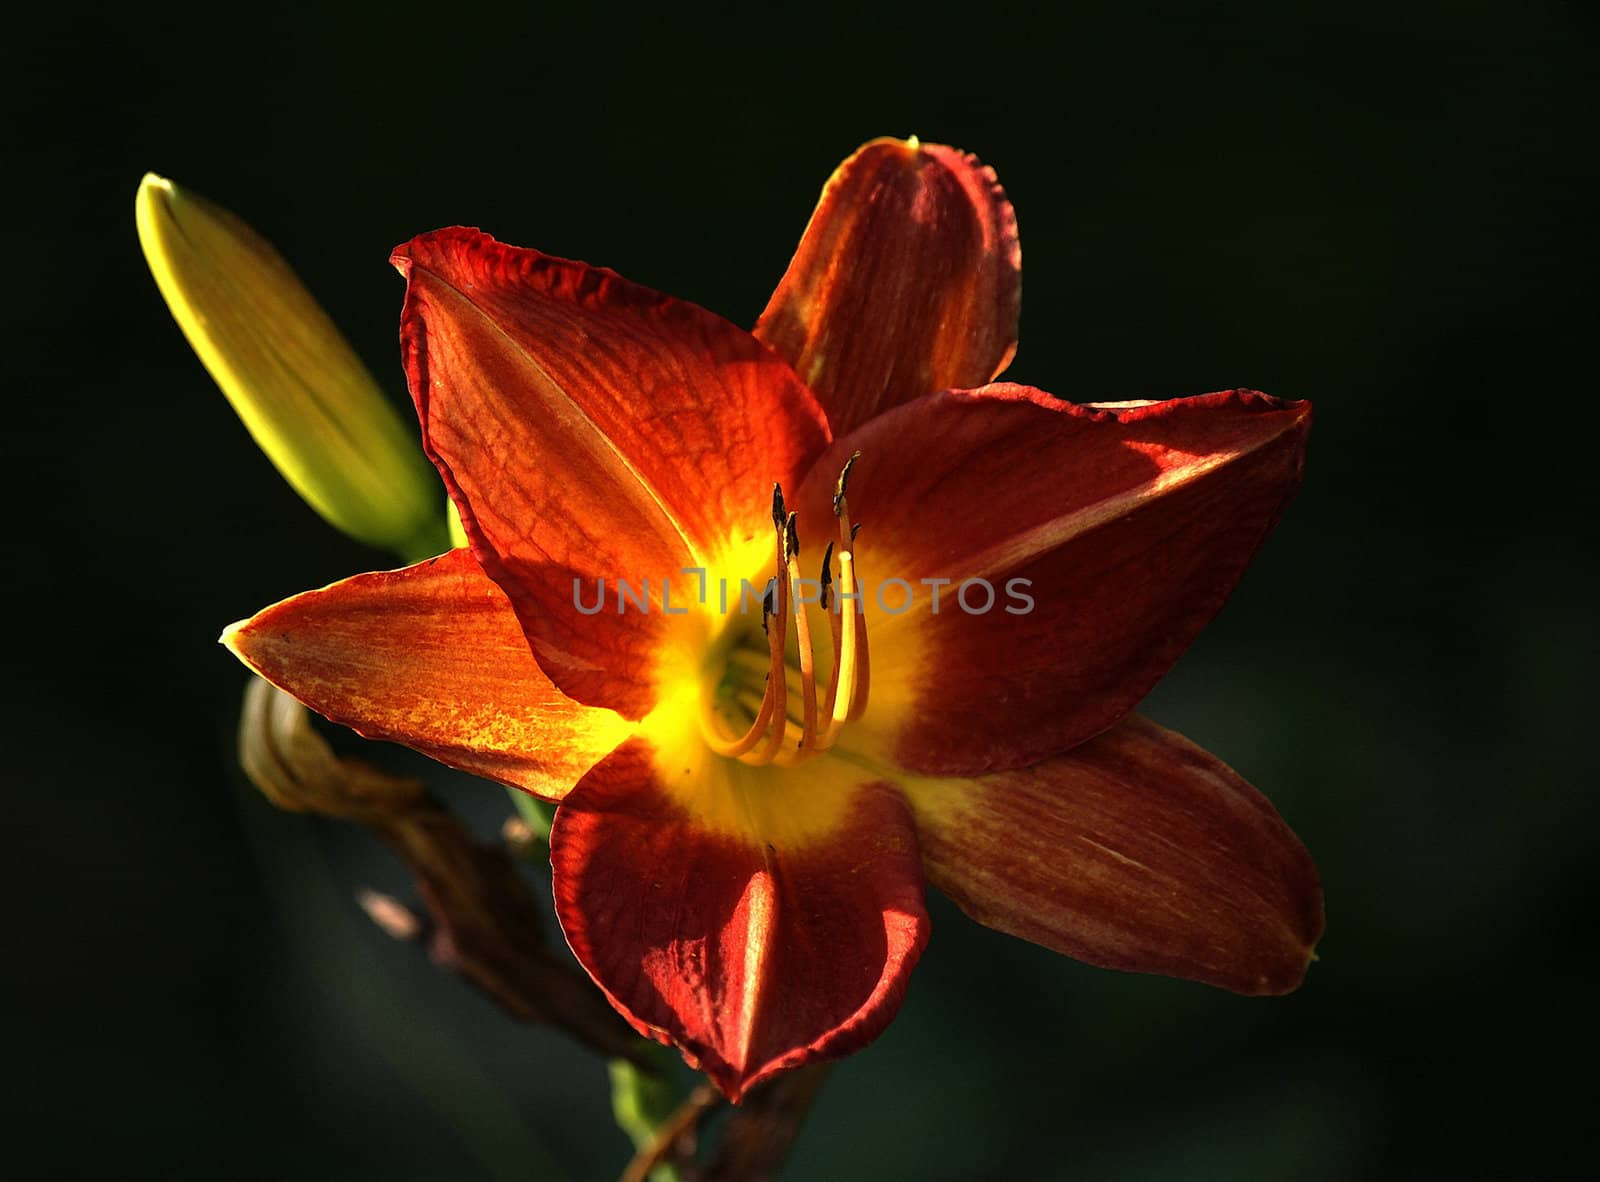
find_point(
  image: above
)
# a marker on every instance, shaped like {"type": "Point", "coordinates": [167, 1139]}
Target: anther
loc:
{"type": "Point", "coordinates": [791, 536]}
{"type": "Point", "coordinates": [840, 485]}
{"type": "Point", "coordinates": [802, 636]}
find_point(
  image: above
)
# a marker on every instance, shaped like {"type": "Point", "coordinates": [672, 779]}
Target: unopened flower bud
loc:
{"type": "Point", "coordinates": [304, 395]}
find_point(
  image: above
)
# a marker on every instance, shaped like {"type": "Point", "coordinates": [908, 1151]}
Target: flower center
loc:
{"type": "Point", "coordinates": [762, 702]}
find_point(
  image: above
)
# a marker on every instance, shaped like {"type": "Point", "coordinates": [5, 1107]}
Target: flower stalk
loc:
{"type": "Point", "coordinates": [483, 922]}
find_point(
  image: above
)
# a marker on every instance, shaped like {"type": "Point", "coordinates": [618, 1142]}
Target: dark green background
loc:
{"type": "Point", "coordinates": [1381, 207]}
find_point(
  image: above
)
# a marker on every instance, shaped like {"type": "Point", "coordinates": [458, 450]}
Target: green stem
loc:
{"type": "Point", "coordinates": [386, 1017]}
{"type": "Point", "coordinates": [641, 1097]}
{"type": "Point", "coordinates": [535, 813]}
{"type": "Point", "coordinates": [641, 1100]}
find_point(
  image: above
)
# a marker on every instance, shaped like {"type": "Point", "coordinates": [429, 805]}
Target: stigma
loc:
{"type": "Point", "coordinates": [798, 715]}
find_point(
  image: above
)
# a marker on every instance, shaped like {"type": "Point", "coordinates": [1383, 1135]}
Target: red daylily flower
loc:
{"type": "Point", "coordinates": [751, 801]}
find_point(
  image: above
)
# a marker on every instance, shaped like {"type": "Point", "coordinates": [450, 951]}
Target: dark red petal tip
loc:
{"type": "Point", "coordinates": [908, 279]}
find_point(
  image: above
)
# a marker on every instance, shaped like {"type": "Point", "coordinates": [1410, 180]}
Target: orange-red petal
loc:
{"type": "Point", "coordinates": [755, 926]}
{"type": "Point", "coordinates": [1130, 527]}
{"type": "Point", "coordinates": [590, 429]}
{"type": "Point", "coordinates": [1135, 851]}
{"type": "Point", "coordinates": [908, 280]}
{"type": "Point", "coordinates": [430, 656]}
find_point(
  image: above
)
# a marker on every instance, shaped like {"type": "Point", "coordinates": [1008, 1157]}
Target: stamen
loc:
{"type": "Point", "coordinates": [777, 640]}
{"type": "Point", "coordinates": [774, 698]}
{"type": "Point", "coordinates": [837, 635]}
{"type": "Point", "coordinates": [802, 635]}
{"type": "Point", "coordinates": [844, 699]}
{"type": "Point", "coordinates": [736, 748]}
{"type": "Point", "coordinates": [862, 674]}
{"type": "Point", "coordinates": [849, 650]}
{"type": "Point", "coordinates": [779, 513]}
{"type": "Point", "coordinates": [825, 580]}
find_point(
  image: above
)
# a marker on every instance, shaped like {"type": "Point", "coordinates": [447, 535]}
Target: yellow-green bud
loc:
{"type": "Point", "coordinates": [302, 392]}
